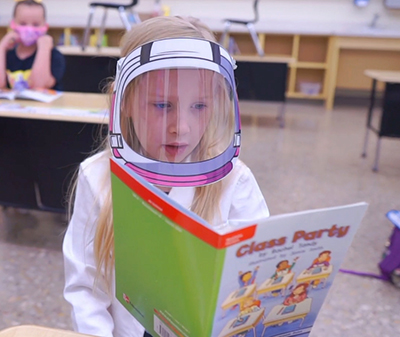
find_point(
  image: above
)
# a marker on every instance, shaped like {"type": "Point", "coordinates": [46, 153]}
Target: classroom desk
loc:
{"type": "Point", "coordinates": [41, 146]}
{"type": "Point", "coordinates": [237, 296]}
{"type": "Point", "coordinates": [37, 331]}
{"type": "Point", "coordinates": [263, 79]}
{"type": "Point", "coordinates": [70, 107]}
{"type": "Point", "coordinates": [389, 125]}
{"type": "Point", "coordinates": [270, 285]}
{"type": "Point", "coordinates": [277, 315]}
{"type": "Point", "coordinates": [309, 275]}
{"type": "Point", "coordinates": [242, 324]}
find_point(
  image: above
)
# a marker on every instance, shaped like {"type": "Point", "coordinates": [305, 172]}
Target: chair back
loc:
{"type": "Point", "coordinates": [255, 8]}
{"type": "Point", "coordinates": [133, 2]}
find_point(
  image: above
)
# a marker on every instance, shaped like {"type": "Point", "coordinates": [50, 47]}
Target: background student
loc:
{"type": "Point", "coordinates": [167, 116]}
{"type": "Point", "coordinates": [28, 58]}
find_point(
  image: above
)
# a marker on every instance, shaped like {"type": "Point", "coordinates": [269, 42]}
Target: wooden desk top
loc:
{"type": "Point", "coordinates": [383, 75]}
{"type": "Point", "coordinates": [70, 107]}
{"type": "Point", "coordinates": [37, 331]}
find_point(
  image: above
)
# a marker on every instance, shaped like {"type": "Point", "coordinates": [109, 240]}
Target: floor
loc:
{"type": "Point", "coordinates": [314, 161]}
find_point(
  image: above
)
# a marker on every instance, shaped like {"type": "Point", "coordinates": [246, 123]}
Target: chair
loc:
{"type": "Point", "coordinates": [250, 26]}
{"type": "Point", "coordinates": [122, 13]}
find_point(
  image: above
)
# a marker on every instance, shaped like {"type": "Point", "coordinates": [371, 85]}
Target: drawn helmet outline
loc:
{"type": "Point", "coordinates": [174, 53]}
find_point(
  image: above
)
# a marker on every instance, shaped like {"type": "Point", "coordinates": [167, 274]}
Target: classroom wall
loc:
{"type": "Point", "coordinates": [74, 12]}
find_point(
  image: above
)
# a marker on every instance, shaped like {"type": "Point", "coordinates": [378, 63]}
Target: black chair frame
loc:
{"type": "Point", "coordinates": [250, 26]}
{"type": "Point", "coordinates": [122, 8]}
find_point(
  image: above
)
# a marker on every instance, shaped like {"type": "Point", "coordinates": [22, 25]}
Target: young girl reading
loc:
{"type": "Point", "coordinates": [174, 120]}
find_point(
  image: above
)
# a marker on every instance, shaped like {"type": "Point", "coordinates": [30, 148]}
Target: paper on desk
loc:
{"type": "Point", "coordinates": [41, 95]}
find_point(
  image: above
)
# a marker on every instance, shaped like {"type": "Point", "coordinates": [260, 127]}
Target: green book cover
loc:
{"type": "Point", "coordinates": [179, 277]}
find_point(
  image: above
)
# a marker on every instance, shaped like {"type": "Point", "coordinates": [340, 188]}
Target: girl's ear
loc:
{"type": "Point", "coordinates": [47, 26]}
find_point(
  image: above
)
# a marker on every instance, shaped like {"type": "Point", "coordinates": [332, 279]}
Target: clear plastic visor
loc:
{"type": "Point", "coordinates": [178, 115]}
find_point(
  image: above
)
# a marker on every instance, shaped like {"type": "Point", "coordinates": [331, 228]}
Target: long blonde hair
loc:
{"type": "Point", "coordinates": [206, 200]}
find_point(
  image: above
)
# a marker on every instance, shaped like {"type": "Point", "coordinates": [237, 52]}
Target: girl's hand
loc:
{"type": "Point", "coordinates": [45, 42]}
{"type": "Point", "coordinates": [9, 41]}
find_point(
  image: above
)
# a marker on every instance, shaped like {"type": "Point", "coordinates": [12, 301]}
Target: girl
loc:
{"type": "Point", "coordinates": [174, 120]}
{"type": "Point", "coordinates": [299, 294]}
{"type": "Point", "coordinates": [28, 58]}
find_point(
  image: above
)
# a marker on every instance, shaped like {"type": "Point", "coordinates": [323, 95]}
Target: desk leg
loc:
{"type": "Point", "coordinates": [281, 115]}
{"type": "Point", "coordinates": [369, 117]}
{"type": "Point", "coordinates": [265, 328]}
{"type": "Point", "coordinates": [377, 153]}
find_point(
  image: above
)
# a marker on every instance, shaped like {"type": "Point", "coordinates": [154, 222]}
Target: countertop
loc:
{"type": "Point", "coordinates": [344, 28]}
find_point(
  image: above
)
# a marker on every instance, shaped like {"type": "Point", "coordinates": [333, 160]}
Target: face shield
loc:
{"type": "Point", "coordinates": [175, 116]}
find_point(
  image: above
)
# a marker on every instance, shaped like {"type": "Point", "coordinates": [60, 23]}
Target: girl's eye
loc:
{"type": "Point", "coordinates": [199, 106]}
{"type": "Point", "coordinates": [162, 105]}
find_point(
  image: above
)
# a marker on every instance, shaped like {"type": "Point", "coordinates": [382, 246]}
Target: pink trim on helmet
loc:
{"type": "Point", "coordinates": [111, 124]}
{"type": "Point", "coordinates": [116, 153]}
{"type": "Point", "coordinates": [183, 181]}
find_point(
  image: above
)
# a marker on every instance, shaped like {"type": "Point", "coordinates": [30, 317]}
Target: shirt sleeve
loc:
{"type": "Point", "coordinates": [90, 303]}
{"type": "Point", "coordinates": [248, 203]}
{"type": "Point", "coordinates": [57, 68]}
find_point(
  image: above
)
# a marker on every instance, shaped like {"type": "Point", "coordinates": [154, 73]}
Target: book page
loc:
{"type": "Point", "coordinates": [41, 95]}
{"type": "Point", "coordinates": [7, 94]}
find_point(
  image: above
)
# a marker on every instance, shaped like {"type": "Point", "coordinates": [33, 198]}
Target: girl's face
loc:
{"type": "Point", "coordinates": [172, 111]}
{"type": "Point", "coordinates": [29, 23]}
{"type": "Point", "coordinates": [324, 257]}
{"type": "Point", "coordinates": [299, 290]}
{"type": "Point", "coordinates": [26, 15]}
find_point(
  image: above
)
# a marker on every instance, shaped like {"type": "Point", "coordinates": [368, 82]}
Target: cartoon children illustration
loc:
{"type": "Point", "coordinates": [249, 304]}
{"type": "Point", "coordinates": [320, 263]}
{"type": "Point", "coordinates": [322, 260]}
{"type": "Point", "coordinates": [283, 267]}
{"type": "Point", "coordinates": [299, 294]}
{"type": "Point", "coordinates": [246, 278]}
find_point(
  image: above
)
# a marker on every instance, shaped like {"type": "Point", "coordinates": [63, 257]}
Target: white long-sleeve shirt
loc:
{"type": "Point", "coordinates": [94, 311]}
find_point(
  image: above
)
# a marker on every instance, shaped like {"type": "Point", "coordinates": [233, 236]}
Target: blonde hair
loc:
{"type": "Point", "coordinates": [206, 200]}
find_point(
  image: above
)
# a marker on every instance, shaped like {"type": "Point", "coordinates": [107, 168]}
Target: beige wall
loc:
{"type": "Point", "coordinates": [62, 12]}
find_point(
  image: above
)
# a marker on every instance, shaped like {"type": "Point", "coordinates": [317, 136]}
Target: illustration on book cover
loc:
{"type": "Point", "coordinates": [282, 284]}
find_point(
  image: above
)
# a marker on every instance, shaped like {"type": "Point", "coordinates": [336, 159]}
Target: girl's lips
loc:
{"type": "Point", "coordinates": [175, 149]}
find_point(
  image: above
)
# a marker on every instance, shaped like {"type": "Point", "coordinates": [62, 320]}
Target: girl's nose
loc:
{"type": "Point", "coordinates": [179, 123]}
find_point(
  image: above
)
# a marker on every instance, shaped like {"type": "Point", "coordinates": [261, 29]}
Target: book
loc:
{"type": "Point", "coordinates": [41, 95]}
{"type": "Point", "coordinates": [181, 277]}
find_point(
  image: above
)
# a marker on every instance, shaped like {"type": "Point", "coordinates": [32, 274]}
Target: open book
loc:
{"type": "Point", "coordinates": [41, 95]}
{"type": "Point", "coordinates": [181, 277]}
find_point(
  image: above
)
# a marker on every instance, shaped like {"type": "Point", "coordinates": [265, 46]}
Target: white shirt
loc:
{"type": "Point", "coordinates": [94, 311]}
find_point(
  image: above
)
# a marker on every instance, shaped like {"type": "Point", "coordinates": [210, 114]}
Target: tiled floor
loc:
{"type": "Point", "coordinates": [313, 162]}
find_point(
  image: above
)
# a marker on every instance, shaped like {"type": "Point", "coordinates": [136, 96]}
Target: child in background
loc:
{"type": "Point", "coordinates": [174, 120]}
{"type": "Point", "coordinates": [27, 56]}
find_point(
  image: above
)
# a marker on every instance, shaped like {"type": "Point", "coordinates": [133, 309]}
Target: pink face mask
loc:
{"type": "Point", "coordinates": [29, 34]}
